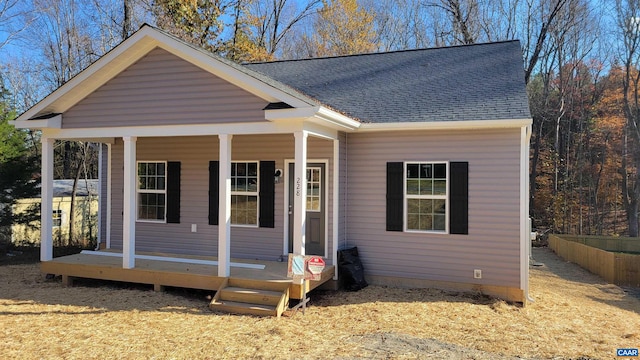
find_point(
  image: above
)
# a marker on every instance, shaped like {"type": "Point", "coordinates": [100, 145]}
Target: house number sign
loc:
{"type": "Point", "coordinates": [298, 187]}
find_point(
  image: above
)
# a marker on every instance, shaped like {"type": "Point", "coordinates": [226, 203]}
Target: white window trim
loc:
{"type": "Point", "coordinates": [249, 193]}
{"type": "Point", "coordinates": [446, 197]}
{"type": "Point", "coordinates": [138, 191]}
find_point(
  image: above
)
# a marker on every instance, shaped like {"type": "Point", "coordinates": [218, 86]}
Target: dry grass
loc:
{"type": "Point", "coordinates": [575, 314]}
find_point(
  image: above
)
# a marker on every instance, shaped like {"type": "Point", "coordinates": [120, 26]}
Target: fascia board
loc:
{"type": "Point", "coordinates": [446, 125]}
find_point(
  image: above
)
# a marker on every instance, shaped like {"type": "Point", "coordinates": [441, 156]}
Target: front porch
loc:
{"type": "Point", "coordinates": [193, 272]}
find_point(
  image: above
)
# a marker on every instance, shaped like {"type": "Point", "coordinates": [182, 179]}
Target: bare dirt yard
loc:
{"type": "Point", "coordinates": [575, 316]}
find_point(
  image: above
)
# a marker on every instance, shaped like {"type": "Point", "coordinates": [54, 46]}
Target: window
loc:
{"type": "Point", "coordinates": [152, 191]}
{"type": "Point", "coordinates": [313, 188]}
{"type": "Point", "coordinates": [57, 218]}
{"type": "Point", "coordinates": [244, 193]}
{"type": "Point", "coordinates": [426, 196]}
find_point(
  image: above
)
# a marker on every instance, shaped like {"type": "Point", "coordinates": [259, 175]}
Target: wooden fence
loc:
{"type": "Point", "coordinates": [601, 256]}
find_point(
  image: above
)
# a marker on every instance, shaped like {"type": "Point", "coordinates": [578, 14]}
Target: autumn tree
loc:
{"type": "Point", "coordinates": [271, 23]}
{"type": "Point", "coordinates": [196, 21]}
{"type": "Point", "coordinates": [628, 15]}
{"type": "Point", "coordinates": [243, 46]}
{"type": "Point", "coordinates": [341, 27]}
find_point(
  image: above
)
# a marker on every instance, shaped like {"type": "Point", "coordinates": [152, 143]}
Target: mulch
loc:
{"type": "Point", "coordinates": [576, 315]}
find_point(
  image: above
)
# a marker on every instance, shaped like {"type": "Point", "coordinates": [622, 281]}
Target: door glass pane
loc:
{"type": "Point", "coordinates": [314, 189]}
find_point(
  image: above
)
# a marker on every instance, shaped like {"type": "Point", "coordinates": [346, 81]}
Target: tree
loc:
{"type": "Point", "coordinates": [463, 16]}
{"type": "Point", "coordinates": [272, 21]}
{"type": "Point", "coordinates": [14, 19]}
{"type": "Point", "coordinates": [400, 24]}
{"type": "Point", "coordinates": [341, 27]}
{"type": "Point", "coordinates": [628, 21]}
{"type": "Point", "coordinates": [243, 46]}
{"type": "Point", "coordinates": [196, 21]}
{"type": "Point", "coordinates": [17, 173]}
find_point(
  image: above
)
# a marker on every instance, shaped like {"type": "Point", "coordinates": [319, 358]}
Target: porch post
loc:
{"type": "Point", "coordinates": [300, 193]}
{"type": "Point", "coordinates": [100, 197]}
{"type": "Point", "coordinates": [336, 205]}
{"type": "Point", "coordinates": [108, 225]}
{"type": "Point", "coordinates": [129, 205]}
{"type": "Point", "coordinates": [224, 215]}
{"type": "Point", "coordinates": [46, 197]}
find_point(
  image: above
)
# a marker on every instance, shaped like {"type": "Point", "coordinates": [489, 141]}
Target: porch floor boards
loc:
{"type": "Point", "coordinates": [161, 273]}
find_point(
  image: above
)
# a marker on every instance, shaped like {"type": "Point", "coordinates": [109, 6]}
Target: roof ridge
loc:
{"type": "Point", "coordinates": [385, 52]}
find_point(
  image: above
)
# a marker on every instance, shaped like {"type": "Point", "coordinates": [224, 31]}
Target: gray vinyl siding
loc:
{"type": "Point", "coordinates": [492, 244]}
{"type": "Point", "coordinates": [162, 89]}
{"type": "Point", "coordinates": [194, 153]}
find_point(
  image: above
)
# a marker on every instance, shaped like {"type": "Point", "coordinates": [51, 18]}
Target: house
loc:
{"type": "Point", "coordinates": [419, 158]}
{"type": "Point", "coordinates": [85, 219]}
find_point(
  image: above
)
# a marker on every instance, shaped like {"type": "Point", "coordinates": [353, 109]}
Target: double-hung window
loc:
{"type": "Point", "coordinates": [152, 191]}
{"type": "Point", "coordinates": [425, 191]}
{"type": "Point", "coordinates": [244, 193]}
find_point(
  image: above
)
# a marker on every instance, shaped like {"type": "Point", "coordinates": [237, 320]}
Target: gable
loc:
{"type": "Point", "coordinates": [163, 89]}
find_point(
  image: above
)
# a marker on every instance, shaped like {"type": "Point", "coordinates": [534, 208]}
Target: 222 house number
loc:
{"type": "Point", "coordinates": [298, 186]}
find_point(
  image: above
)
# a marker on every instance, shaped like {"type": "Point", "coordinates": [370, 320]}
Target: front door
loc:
{"type": "Point", "coordinates": [316, 207]}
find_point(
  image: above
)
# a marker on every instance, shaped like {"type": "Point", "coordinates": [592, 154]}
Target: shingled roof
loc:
{"type": "Point", "coordinates": [460, 83]}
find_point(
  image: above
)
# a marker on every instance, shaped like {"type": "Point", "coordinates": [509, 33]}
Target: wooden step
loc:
{"type": "Point", "coordinates": [243, 308]}
{"type": "Point", "coordinates": [252, 296]}
{"type": "Point", "coordinates": [263, 298]}
{"type": "Point", "coordinates": [278, 286]}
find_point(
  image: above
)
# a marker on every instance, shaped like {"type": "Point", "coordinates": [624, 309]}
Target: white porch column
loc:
{"type": "Point", "coordinates": [336, 205]}
{"type": "Point", "coordinates": [108, 225]}
{"type": "Point", "coordinates": [100, 197]}
{"type": "Point", "coordinates": [129, 206]}
{"type": "Point", "coordinates": [300, 193]}
{"type": "Point", "coordinates": [46, 197]}
{"type": "Point", "coordinates": [224, 215]}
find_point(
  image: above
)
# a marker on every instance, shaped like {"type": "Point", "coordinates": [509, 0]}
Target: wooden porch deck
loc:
{"type": "Point", "coordinates": [164, 272]}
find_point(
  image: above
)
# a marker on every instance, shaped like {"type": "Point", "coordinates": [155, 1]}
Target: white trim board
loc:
{"type": "Point", "coordinates": [175, 259]}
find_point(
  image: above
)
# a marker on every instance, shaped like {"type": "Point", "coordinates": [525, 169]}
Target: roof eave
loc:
{"type": "Point", "coordinates": [315, 114]}
{"type": "Point", "coordinates": [54, 122]}
{"type": "Point", "coordinates": [447, 125]}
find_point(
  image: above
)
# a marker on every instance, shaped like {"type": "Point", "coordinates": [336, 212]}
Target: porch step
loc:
{"type": "Point", "coordinates": [252, 297]}
{"type": "Point", "coordinates": [237, 307]}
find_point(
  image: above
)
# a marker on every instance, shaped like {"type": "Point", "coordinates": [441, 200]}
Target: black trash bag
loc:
{"type": "Point", "coordinates": [350, 270]}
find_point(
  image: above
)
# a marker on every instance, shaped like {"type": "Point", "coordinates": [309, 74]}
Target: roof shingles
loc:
{"type": "Point", "coordinates": [462, 83]}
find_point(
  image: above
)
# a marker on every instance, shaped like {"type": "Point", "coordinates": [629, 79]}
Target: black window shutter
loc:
{"type": "Point", "coordinates": [173, 192]}
{"type": "Point", "coordinates": [214, 203]}
{"type": "Point", "coordinates": [395, 196]}
{"type": "Point", "coordinates": [459, 198]}
{"type": "Point", "coordinates": [267, 193]}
